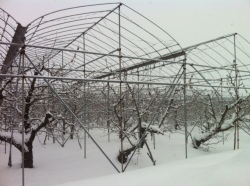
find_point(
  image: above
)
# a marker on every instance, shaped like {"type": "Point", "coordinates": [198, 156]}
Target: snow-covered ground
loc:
{"type": "Point", "coordinates": [57, 166]}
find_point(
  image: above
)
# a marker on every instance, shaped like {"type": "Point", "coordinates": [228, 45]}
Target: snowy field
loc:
{"type": "Point", "coordinates": [57, 166]}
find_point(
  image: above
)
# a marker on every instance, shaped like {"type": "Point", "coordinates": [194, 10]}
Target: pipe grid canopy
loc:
{"type": "Point", "coordinates": [10, 31]}
{"type": "Point", "coordinates": [97, 29]}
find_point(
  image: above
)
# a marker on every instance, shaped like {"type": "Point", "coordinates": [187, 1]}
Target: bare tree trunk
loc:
{"type": "Point", "coordinates": [123, 156]}
{"type": "Point", "coordinates": [44, 141]}
{"type": "Point", "coordinates": [28, 157]}
{"type": "Point", "coordinates": [72, 129]}
{"type": "Point", "coordinates": [235, 129]}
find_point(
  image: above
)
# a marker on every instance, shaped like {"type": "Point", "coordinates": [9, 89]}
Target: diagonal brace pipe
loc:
{"type": "Point", "coordinates": [71, 112]}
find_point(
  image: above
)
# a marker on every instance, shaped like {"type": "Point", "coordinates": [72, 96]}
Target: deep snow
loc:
{"type": "Point", "coordinates": [57, 166]}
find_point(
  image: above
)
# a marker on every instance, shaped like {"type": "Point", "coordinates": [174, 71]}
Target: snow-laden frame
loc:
{"type": "Point", "coordinates": [112, 45]}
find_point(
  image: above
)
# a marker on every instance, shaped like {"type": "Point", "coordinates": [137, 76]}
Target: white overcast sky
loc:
{"type": "Point", "coordinates": [188, 21]}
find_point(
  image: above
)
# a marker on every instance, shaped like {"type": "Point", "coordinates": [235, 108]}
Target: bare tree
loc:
{"type": "Point", "coordinates": [135, 136]}
{"type": "Point", "coordinates": [32, 124]}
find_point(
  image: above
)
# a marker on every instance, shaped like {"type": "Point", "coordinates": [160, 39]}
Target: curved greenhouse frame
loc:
{"type": "Point", "coordinates": [104, 53]}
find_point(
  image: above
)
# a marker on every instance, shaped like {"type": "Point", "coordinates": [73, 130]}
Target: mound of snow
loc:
{"type": "Point", "coordinates": [229, 169]}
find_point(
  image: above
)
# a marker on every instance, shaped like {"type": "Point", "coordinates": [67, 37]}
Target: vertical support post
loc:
{"type": "Point", "coordinates": [14, 111]}
{"type": "Point", "coordinates": [84, 100]}
{"type": "Point", "coordinates": [120, 77]}
{"type": "Point", "coordinates": [185, 106]}
{"type": "Point", "coordinates": [63, 139]}
{"type": "Point", "coordinates": [237, 97]}
{"type": "Point", "coordinates": [62, 60]}
{"type": "Point", "coordinates": [23, 110]}
{"type": "Point", "coordinates": [149, 89]}
{"type": "Point", "coordinates": [87, 110]}
{"type": "Point", "coordinates": [5, 130]}
{"type": "Point", "coordinates": [49, 90]}
{"type": "Point", "coordinates": [154, 139]}
{"type": "Point", "coordinates": [108, 114]}
{"type": "Point", "coordinates": [221, 93]}
{"type": "Point", "coordinates": [138, 100]}
{"type": "Point", "coordinates": [125, 100]}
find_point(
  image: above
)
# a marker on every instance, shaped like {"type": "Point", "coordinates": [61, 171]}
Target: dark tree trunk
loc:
{"type": "Point", "coordinates": [28, 159]}
{"type": "Point", "coordinates": [123, 156]}
{"type": "Point", "coordinates": [197, 143]}
{"type": "Point", "coordinates": [141, 135]}
{"type": "Point", "coordinates": [28, 156]}
{"type": "Point", "coordinates": [44, 141]}
{"type": "Point", "coordinates": [176, 124]}
{"type": "Point", "coordinates": [64, 127]}
{"type": "Point", "coordinates": [72, 129]}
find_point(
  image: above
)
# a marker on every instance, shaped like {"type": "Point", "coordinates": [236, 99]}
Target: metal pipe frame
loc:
{"type": "Point", "coordinates": [71, 112]}
{"type": "Point", "coordinates": [169, 92]}
{"type": "Point", "coordinates": [84, 100]}
{"type": "Point", "coordinates": [120, 88]}
{"type": "Point", "coordinates": [128, 57]}
{"type": "Point", "coordinates": [82, 80]}
{"type": "Point", "coordinates": [130, 63]}
{"type": "Point", "coordinates": [14, 111]}
{"type": "Point", "coordinates": [22, 55]}
{"type": "Point", "coordinates": [185, 106]}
